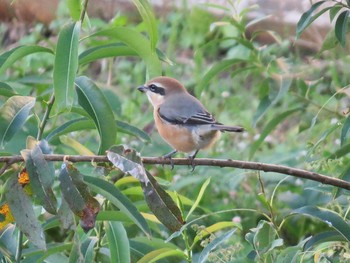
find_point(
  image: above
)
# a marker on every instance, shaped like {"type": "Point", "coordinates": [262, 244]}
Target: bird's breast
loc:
{"type": "Point", "coordinates": [185, 138]}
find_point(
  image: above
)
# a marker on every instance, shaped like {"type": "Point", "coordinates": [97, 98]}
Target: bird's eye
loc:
{"type": "Point", "coordinates": [156, 89]}
{"type": "Point", "coordinates": [153, 87]}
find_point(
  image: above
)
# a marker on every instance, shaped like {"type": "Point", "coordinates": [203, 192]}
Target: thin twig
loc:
{"type": "Point", "coordinates": [201, 162]}
{"type": "Point", "coordinates": [83, 12]}
{"type": "Point", "coordinates": [45, 117]}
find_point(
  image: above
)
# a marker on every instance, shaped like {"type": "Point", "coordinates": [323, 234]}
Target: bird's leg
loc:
{"type": "Point", "coordinates": [169, 156]}
{"type": "Point", "coordinates": [191, 157]}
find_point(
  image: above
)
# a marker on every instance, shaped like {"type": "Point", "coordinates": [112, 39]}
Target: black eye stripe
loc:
{"type": "Point", "coordinates": [154, 88]}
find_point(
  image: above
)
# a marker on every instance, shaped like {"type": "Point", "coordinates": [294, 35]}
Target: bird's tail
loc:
{"type": "Point", "coordinates": [223, 128]}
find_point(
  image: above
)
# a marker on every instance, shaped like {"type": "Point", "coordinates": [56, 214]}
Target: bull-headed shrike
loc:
{"type": "Point", "coordinates": [181, 119]}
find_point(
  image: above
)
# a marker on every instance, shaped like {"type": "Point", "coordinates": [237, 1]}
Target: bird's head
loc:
{"type": "Point", "coordinates": [161, 88]}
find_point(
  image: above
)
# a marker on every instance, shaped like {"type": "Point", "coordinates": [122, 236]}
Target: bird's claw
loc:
{"type": "Point", "coordinates": [170, 159]}
{"type": "Point", "coordinates": [169, 156]}
{"type": "Point", "coordinates": [193, 165]}
{"type": "Point", "coordinates": [191, 158]}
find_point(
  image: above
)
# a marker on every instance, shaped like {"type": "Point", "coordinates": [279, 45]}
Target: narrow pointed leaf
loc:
{"type": "Point", "coordinates": [215, 70]}
{"type": "Point", "coordinates": [74, 8]}
{"type": "Point", "coordinates": [272, 98]}
{"type": "Point", "coordinates": [128, 161]}
{"type": "Point", "coordinates": [140, 44]}
{"type": "Point", "coordinates": [161, 204]}
{"type": "Point", "coordinates": [22, 210]}
{"type": "Point", "coordinates": [66, 66]}
{"type": "Point", "coordinates": [199, 197]}
{"type": "Point", "coordinates": [95, 104]}
{"type": "Point", "coordinates": [162, 253]}
{"type": "Point", "coordinates": [271, 125]}
{"type": "Point", "coordinates": [331, 218]}
{"type": "Point", "coordinates": [71, 126]}
{"type": "Point", "coordinates": [118, 242]}
{"type": "Point", "coordinates": [213, 244]}
{"type": "Point", "coordinates": [328, 236]}
{"type": "Point", "coordinates": [88, 249]}
{"type": "Point", "coordinates": [13, 55]}
{"type": "Point", "coordinates": [341, 27]}
{"type": "Point", "coordinates": [334, 11]}
{"type": "Point", "coordinates": [215, 227]}
{"type": "Point", "coordinates": [6, 90]}
{"type": "Point", "coordinates": [110, 192]}
{"type": "Point", "coordinates": [148, 18]}
{"type": "Point", "coordinates": [13, 115]}
{"type": "Point", "coordinates": [105, 51]}
{"type": "Point", "coordinates": [306, 19]}
{"type": "Point", "coordinates": [124, 127]}
{"type": "Point", "coordinates": [77, 195]}
{"type": "Point", "coordinates": [41, 178]}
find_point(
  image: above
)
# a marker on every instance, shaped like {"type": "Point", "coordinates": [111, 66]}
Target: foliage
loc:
{"type": "Point", "coordinates": [295, 113]}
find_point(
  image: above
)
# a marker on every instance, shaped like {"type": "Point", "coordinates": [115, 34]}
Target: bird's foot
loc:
{"type": "Point", "coordinates": [169, 156]}
{"type": "Point", "coordinates": [191, 158]}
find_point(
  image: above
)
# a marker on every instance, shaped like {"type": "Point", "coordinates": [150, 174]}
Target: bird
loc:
{"type": "Point", "coordinates": [181, 119]}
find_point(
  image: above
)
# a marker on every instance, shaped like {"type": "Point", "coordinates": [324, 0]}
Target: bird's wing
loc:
{"type": "Point", "coordinates": [185, 111]}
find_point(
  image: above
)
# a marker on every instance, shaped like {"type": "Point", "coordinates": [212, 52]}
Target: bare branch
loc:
{"type": "Point", "coordinates": [200, 162]}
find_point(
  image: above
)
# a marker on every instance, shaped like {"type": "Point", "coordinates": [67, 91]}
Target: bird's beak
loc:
{"type": "Point", "coordinates": [142, 88]}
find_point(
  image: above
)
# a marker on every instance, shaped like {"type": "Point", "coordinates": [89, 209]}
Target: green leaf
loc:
{"type": "Point", "coordinates": [118, 242]}
{"type": "Point", "coordinates": [334, 11]}
{"type": "Point", "coordinates": [292, 253]}
{"type": "Point", "coordinates": [214, 70]}
{"type": "Point", "coordinates": [81, 124]}
{"type": "Point", "coordinates": [13, 55]}
{"type": "Point", "coordinates": [13, 115]}
{"type": "Point", "coordinates": [105, 51]}
{"type": "Point", "coordinates": [199, 197]}
{"type": "Point", "coordinates": [271, 125]}
{"type": "Point", "coordinates": [124, 127]}
{"type": "Point", "coordinates": [87, 249]}
{"type": "Point", "coordinates": [341, 27]}
{"type": "Point", "coordinates": [272, 98]}
{"type": "Point", "coordinates": [158, 254]}
{"type": "Point", "coordinates": [91, 98]}
{"type": "Point", "coordinates": [161, 204]}
{"type": "Point", "coordinates": [345, 131]}
{"type": "Point", "coordinates": [6, 90]}
{"type": "Point", "coordinates": [71, 126]}
{"type": "Point", "coordinates": [74, 9]}
{"type": "Point", "coordinates": [139, 44]}
{"type": "Point", "coordinates": [66, 216]}
{"type": "Point", "coordinates": [213, 228]}
{"type": "Point", "coordinates": [307, 18]}
{"type": "Point", "coordinates": [265, 236]}
{"type": "Point", "coordinates": [76, 193]}
{"type": "Point", "coordinates": [8, 243]}
{"type": "Point", "coordinates": [329, 42]}
{"type": "Point", "coordinates": [148, 18]}
{"type": "Point", "coordinates": [36, 255]}
{"type": "Point", "coordinates": [329, 236]}
{"type": "Point", "coordinates": [41, 177]}
{"type": "Point", "coordinates": [345, 149]}
{"type": "Point", "coordinates": [66, 66]}
{"type": "Point", "coordinates": [323, 137]}
{"type": "Point", "coordinates": [128, 161]}
{"type": "Point", "coordinates": [22, 210]}
{"type": "Point", "coordinates": [213, 244]}
{"type": "Point", "coordinates": [110, 192]}
{"type": "Point", "coordinates": [329, 217]}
